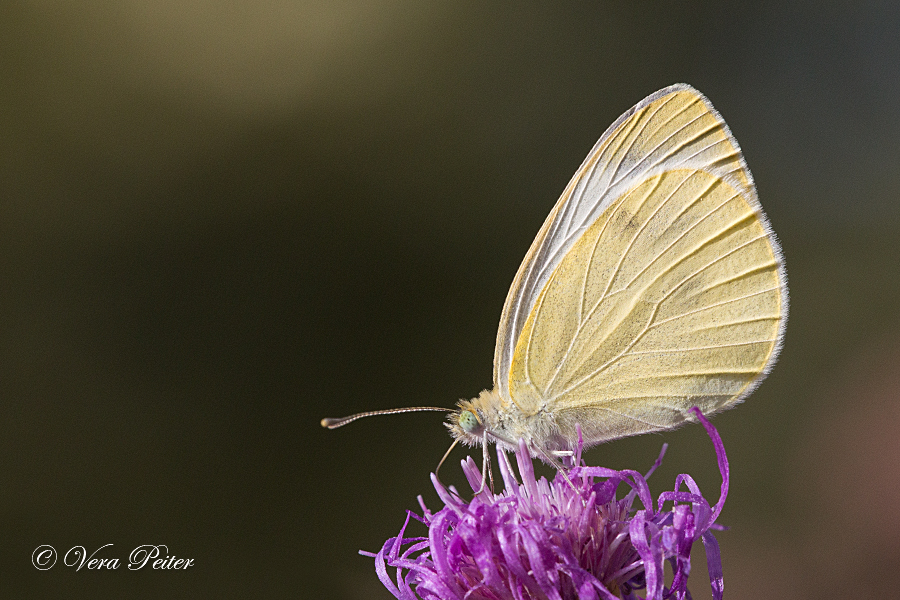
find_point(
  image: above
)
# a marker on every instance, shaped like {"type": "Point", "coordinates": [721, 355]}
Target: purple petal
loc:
{"type": "Point", "coordinates": [508, 537]}
{"type": "Point", "coordinates": [721, 458]}
{"type": "Point", "coordinates": [439, 526]}
{"type": "Point", "coordinates": [506, 472]}
{"type": "Point", "coordinates": [450, 500]}
{"type": "Point", "coordinates": [381, 571]}
{"type": "Point", "coordinates": [526, 469]}
{"type": "Point", "coordinates": [638, 536]}
{"type": "Point", "coordinates": [714, 564]}
{"type": "Point", "coordinates": [658, 462]}
{"type": "Point", "coordinates": [472, 473]}
{"type": "Point", "coordinates": [544, 577]}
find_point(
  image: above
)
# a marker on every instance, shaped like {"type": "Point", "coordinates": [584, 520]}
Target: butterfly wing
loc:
{"type": "Point", "coordinates": [654, 285]}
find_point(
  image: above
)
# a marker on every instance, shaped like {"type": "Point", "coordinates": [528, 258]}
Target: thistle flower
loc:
{"type": "Point", "coordinates": [565, 539]}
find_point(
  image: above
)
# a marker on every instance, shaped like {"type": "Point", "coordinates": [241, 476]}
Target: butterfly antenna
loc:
{"type": "Point", "coordinates": [332, 423]}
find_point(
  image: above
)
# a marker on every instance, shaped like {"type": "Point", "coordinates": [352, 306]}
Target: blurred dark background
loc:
{"type": "Point", "coordinates": [220, 222]}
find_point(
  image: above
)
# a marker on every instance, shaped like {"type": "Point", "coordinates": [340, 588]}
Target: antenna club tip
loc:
{"type": "Point", "coordinates": [326, 422]}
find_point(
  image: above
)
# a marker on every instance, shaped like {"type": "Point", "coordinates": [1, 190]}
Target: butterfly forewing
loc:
{"type": "Point", "coordinates": [654, 285]}
{"type": "Point", "coordinates": [675, 127]}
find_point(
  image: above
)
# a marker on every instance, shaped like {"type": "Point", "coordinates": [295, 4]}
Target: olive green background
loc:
{"type": "Point", "coordinates": [222, 221]}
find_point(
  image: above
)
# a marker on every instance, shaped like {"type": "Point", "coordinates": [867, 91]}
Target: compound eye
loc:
{"type": "Point", "coordinates": [469, 422]}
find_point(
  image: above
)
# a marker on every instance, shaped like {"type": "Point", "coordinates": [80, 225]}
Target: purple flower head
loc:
{"type": "Point", "coordinates": [565, 539]}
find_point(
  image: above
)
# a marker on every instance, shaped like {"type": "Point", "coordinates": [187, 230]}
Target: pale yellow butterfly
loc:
{"type": "Point", "coordinates": [655, 285]}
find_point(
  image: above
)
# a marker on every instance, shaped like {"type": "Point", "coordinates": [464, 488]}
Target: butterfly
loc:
{"type": "Point", "coordinates": [655, 285]}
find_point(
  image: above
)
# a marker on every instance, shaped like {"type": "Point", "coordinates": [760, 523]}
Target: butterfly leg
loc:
{"type": "Point", "coordinates": [486, 471]}
{"type": "Point", "coordinates": [550, 458]}
{"type": "Point", "coordinates": [567, 457]}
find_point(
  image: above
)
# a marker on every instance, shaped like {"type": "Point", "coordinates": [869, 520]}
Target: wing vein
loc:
{"type": "Point", "coordinates": [729, 155]}
{"type": "Point", "coordinates": [697, 373]}
{"type": "Point", "coordinates": [738, 322]}
{"type": "Point", "coordinates": [712, 347]}
{"type": "Point", "coordinates": [684, 143]}
{"type": "Point", "coordinates": [623, 415]}
{"type": "Point", "coordinates": [751, 271]}
{"type": "Point", "coordinates": [587, 270]}
{"type": "Point", "coordinates": [717, 304]}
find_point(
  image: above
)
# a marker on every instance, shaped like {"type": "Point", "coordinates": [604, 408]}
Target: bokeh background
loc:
{"type": "Point", "coordinates": [222, 221]}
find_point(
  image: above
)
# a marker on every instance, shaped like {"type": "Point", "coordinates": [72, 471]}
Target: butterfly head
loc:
{"type": "Point", "coordinates": [474, 417]}
{"type": "Point", "coordinates": [469, 422]}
